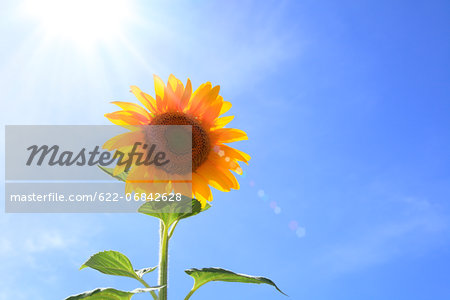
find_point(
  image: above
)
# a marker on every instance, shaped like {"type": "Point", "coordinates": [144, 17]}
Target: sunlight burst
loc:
{"type": "Point", "coordinates": [83, 22]}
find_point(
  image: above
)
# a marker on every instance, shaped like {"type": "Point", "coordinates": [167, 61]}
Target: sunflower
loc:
{"type": "Point", "coordinates": [211, 160]}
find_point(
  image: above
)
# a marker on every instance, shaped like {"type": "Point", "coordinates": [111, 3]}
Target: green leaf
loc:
{"type": "Point", "coordinates": [205, 275]}
{"type": "Point", "coordinates": [122, 176]}
{"type": "Point", "coordinates": [144, 271]}
{"type": "Point", "coordinates": [109, 294]}
{"type": "Point", "coordinates": [169, 212]}
{"type": "Point", "coordinates": [111, 263]}
{"type": "Point", "coordinates": [115, 263]}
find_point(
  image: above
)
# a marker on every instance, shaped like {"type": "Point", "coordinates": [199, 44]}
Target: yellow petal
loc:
{"type": "Point", "coordinates": [221, 166]}
{"type": "Point", "coordinates": [175, 85]}
{"type": "Point", "coordinates": [196, 100]}
{"type": "Point", "coordinates": [212, 95]}
{"type": "Point", "coordinates": [186, 96]}
{"type": "Point", "coordinates": [159, 87]}
{"type": "Point", "coordinates": [222, 122]}
{"type": "Point", "coordinates": [209, 100]}
{"type": "Point", "coordinates": [126, 118]}
{"type": "Point", "coordinates": [128, 106]}
{"type": "Point", "coordinates": [225, 107]}
{"type": "Point", "coordinates": [161, 102]}
{"type": "Point", "coordinates": [148, 101]}
{"type": "Point", "coordinates": [123, 140]}
{"type": "Point", "coordinates": [210, 110]}
{"type": "Point", "coordinates": [214, 176]}
{"type": "Point", "coordinates": [201, 189]}
{"type": "Point", "coordinates": [235, 153]}
{"type": "Point", "coordinates": [227, 135]}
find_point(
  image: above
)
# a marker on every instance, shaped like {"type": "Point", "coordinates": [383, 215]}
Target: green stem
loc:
{"type": "Point", "coordinates": [194, 288]}
{"type": "Point", "coordinates": [189, 295]}
{"type": "Point", "coordinates": [155, 297]}
{"type": "Point", "coordinates": [173, 228]}
{"type": "Point", "coordinates": [163, 260]}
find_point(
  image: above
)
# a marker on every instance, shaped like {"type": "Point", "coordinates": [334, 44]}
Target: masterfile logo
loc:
{"type": "Point", "coordinates": [73, 168]}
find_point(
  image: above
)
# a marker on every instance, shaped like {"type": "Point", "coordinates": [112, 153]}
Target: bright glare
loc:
{"type": "Point", "coordinates": [84, 22]}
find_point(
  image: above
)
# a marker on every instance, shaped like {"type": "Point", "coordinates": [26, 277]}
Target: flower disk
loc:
{"type": "Point", "coordinates": [200, 139]}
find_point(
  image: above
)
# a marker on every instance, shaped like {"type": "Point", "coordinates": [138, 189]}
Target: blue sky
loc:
{"type": "Point", "coordinates": [346, 106]}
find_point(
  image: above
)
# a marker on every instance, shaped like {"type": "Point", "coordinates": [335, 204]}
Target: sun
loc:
{"type": "Point", "coordinates": [83, 22]}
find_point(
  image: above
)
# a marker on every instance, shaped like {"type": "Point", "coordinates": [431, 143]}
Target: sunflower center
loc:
{"type": "Point", "coordinates": [201, 145]}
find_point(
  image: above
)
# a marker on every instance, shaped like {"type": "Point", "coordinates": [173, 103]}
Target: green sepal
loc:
{"type": "Point", "coordinates": [169, 212]}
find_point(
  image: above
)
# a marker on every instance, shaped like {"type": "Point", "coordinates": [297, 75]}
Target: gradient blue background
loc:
{"type": "Point", "coordinates": [346, 104]}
